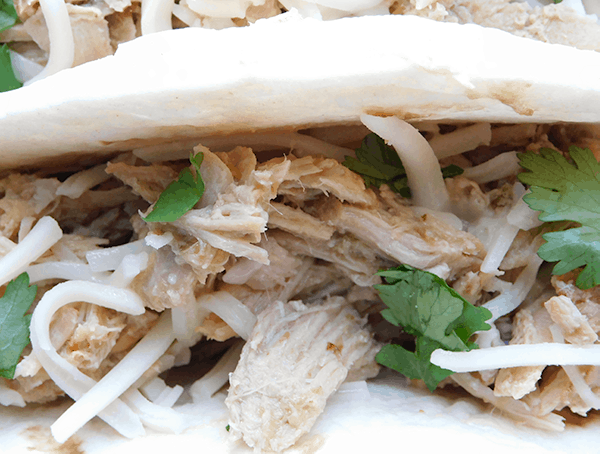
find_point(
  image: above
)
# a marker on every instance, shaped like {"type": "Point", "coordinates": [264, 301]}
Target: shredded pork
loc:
{"type": "Point", "coordinates": [272, 403]}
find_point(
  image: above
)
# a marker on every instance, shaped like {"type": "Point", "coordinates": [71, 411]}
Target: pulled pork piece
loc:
{"type": "Point", "coordinates": [90, 33]}
{"type": "Point", "coordinates": [528, 328]}
{"type": "Point", "coordinates": [587, 301]}
{"type": "Point", "coordinates": [468, 198]}
{"type": "Point", "coordinates": [574, 326]}
{"type": "Point", "coordinates": [233, 213]}
{"type": "Point", "coordinates": [281, 268]}
{"type": "Point", "coordinates": [165, 283]}
{"type": "Point", "coordinates": [296, 357]}
{"type": "Point", "coordinates": [146, 181]}
{"type": "Point", "coordinates": [354, 258]}
{"type": "Point", "coordinates": [557, 24]}
{"type": "Point", "coordinates": [297, 222]}
{"type": "Point", "coordinates": [121, 27]}
{"type": "Point", "coordinates": [522, 248]}
{"type": "Point", "coordinates": [469, 286]}
{"type": "Point", "coordinates": [420, 241]}
{"type": "Point", "coordinates": [312, 176]}
{"type": "Point", "coordinates": [25, 196]}
{"type": "Point", "coordinates": [558, 392]}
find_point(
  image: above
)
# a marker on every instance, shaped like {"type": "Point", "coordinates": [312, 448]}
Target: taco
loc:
{"type": "Point", "coordinates": [181, 201]}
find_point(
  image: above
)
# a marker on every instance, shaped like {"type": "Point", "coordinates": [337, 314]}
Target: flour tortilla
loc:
{"type": "Point", "coordinates": [287, 74]}
{"type": "Point", "coordinates": [290, 73]}
{"type": "Point", "coordinates": [384, 415]}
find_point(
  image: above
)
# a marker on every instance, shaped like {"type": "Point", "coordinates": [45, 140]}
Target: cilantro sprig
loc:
{"type": "Point", "coordinates": [379, 164]}
{"type": "Point", "coordinates": [8, 15]}
{"type": "Point", "coordinates": [8, 18]}
{"type": "Point", "coordinates": [14, 324]}
{"type": "Point", "coordinates": [181, 195]}
{"type": "Point", "coordinates": [8, 81]}
{"type": "Point", "coordinates": [426, 307]}
{"type": "Point", "coordinates": [565, 191]}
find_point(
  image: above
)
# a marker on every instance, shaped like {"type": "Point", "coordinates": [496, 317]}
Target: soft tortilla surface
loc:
{"type": "Point", "coordinates": [290, 73]}
{"type": "Point", "coordinates": [389, 417]}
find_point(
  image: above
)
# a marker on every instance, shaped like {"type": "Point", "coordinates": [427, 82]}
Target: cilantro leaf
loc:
{"type": "Point", "coordinates": [378, 164]}
{"type": "Point", "coordinates": [565, 191]}
{"type": "Point", "coordinates": [8, 81]}
{"type": "Point", "coordinates": [8, 15]}
{"type": "Point", "coordinates": [426, 307]}
{"type": "Point", "coordinates": [14, 324]}
{"type": "Point", "coordinates": [181, 195]}
{"type": "Point", "coordinates": [415, 365]}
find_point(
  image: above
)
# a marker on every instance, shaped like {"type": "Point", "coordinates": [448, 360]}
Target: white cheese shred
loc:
{"type": "Point", "coordinates": [169, 396]}
{"type": "Point", "coordinates": [152, 389]}
{"type": "Point", "coordinates": [42, 237]}
{"type": "Point", "coordinates": [508, 301]}
{"type": "Point", "coordinates": [130, 267]}
{"type": "Point", "coordinates": [74, 186]}
{"type": "Point", "coordinates": [422, 167]}
{"type": "Point", "coordinates": [156, 15]}
{"type": "Point", "coordinates": [502, 166]}
{"type": "Point", "coordinates": [231, 310]}
{"type": "Point", "coordinates": [66, 271]}
{"type": "Point", "coordinates": [62, 44]}
{"type": "Point", "coordinates": [461, 140]}
{"type": "Point", "coordinates": [575, 375]}
{"type": "Point", "coordinates": [157, 417]}
{"type": "Point", "coordinates": [141, 357]}
{"type": "Point", "coordinates": [10, 396]}
{"type": "Point", "coordinates": [218, 376]}
{"type": "Point", "coordinates": [110, 258]}
{"type": "Point", "coordinates": [64, 374]}
{"type": "Point", "coordinates": [544, 354]}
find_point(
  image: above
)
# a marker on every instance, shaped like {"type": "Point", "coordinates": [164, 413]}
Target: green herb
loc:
{"type": "Point", "coordinates": [227, 427]}
{"type": "Point", "coordinates": [181, 195]}
{"type": "Point", "coordinates": [14, 324]}
{"type": "Point", "coordinates": [8, 81]}
{"type": "Point", "coordinates": [564, 191]}
{"type": "Point", "coordinates": [557, 1]}
{"type": "Point", "coordinates": [378, 164]}
{"type": "Point", "coordinates": [8, 15]}
{"type": "Point", "coordinates": [426, 307]}
{"type": "Point", "coordinates": [8, 18]}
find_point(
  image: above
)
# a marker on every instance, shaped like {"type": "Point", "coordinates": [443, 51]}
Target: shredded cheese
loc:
{"type": "Point", "coordinates": [502, 166]}
{"type": "Point", "coordinates": [65, 375]}
{"type": "Point", "coordinates": [422, 167]}
{"type": "Point", "coordinates": [461, 140]}
{"type": "Point", "coordinates": [152, 346]}
{"type": "Point", "coordinates": [41, 238]}
{"type": "Point", "coordinates": [74, 186]}
{"type": "Point", "coordinates": [156, 15]}
{"type": "Point", "coordinates": [111, 258]}
{"type": "Point", "coordinates": [231, 310]}
{"type": "Point", "coordinates": [62, 45]}
{"type": "Point", "coordinates": [544, 354]}
{"type": "Point", "coordinates": [218, 376]}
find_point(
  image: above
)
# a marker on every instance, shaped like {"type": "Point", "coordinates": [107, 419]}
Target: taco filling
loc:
{"type": "Point", "coordinates": [311, 264]}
